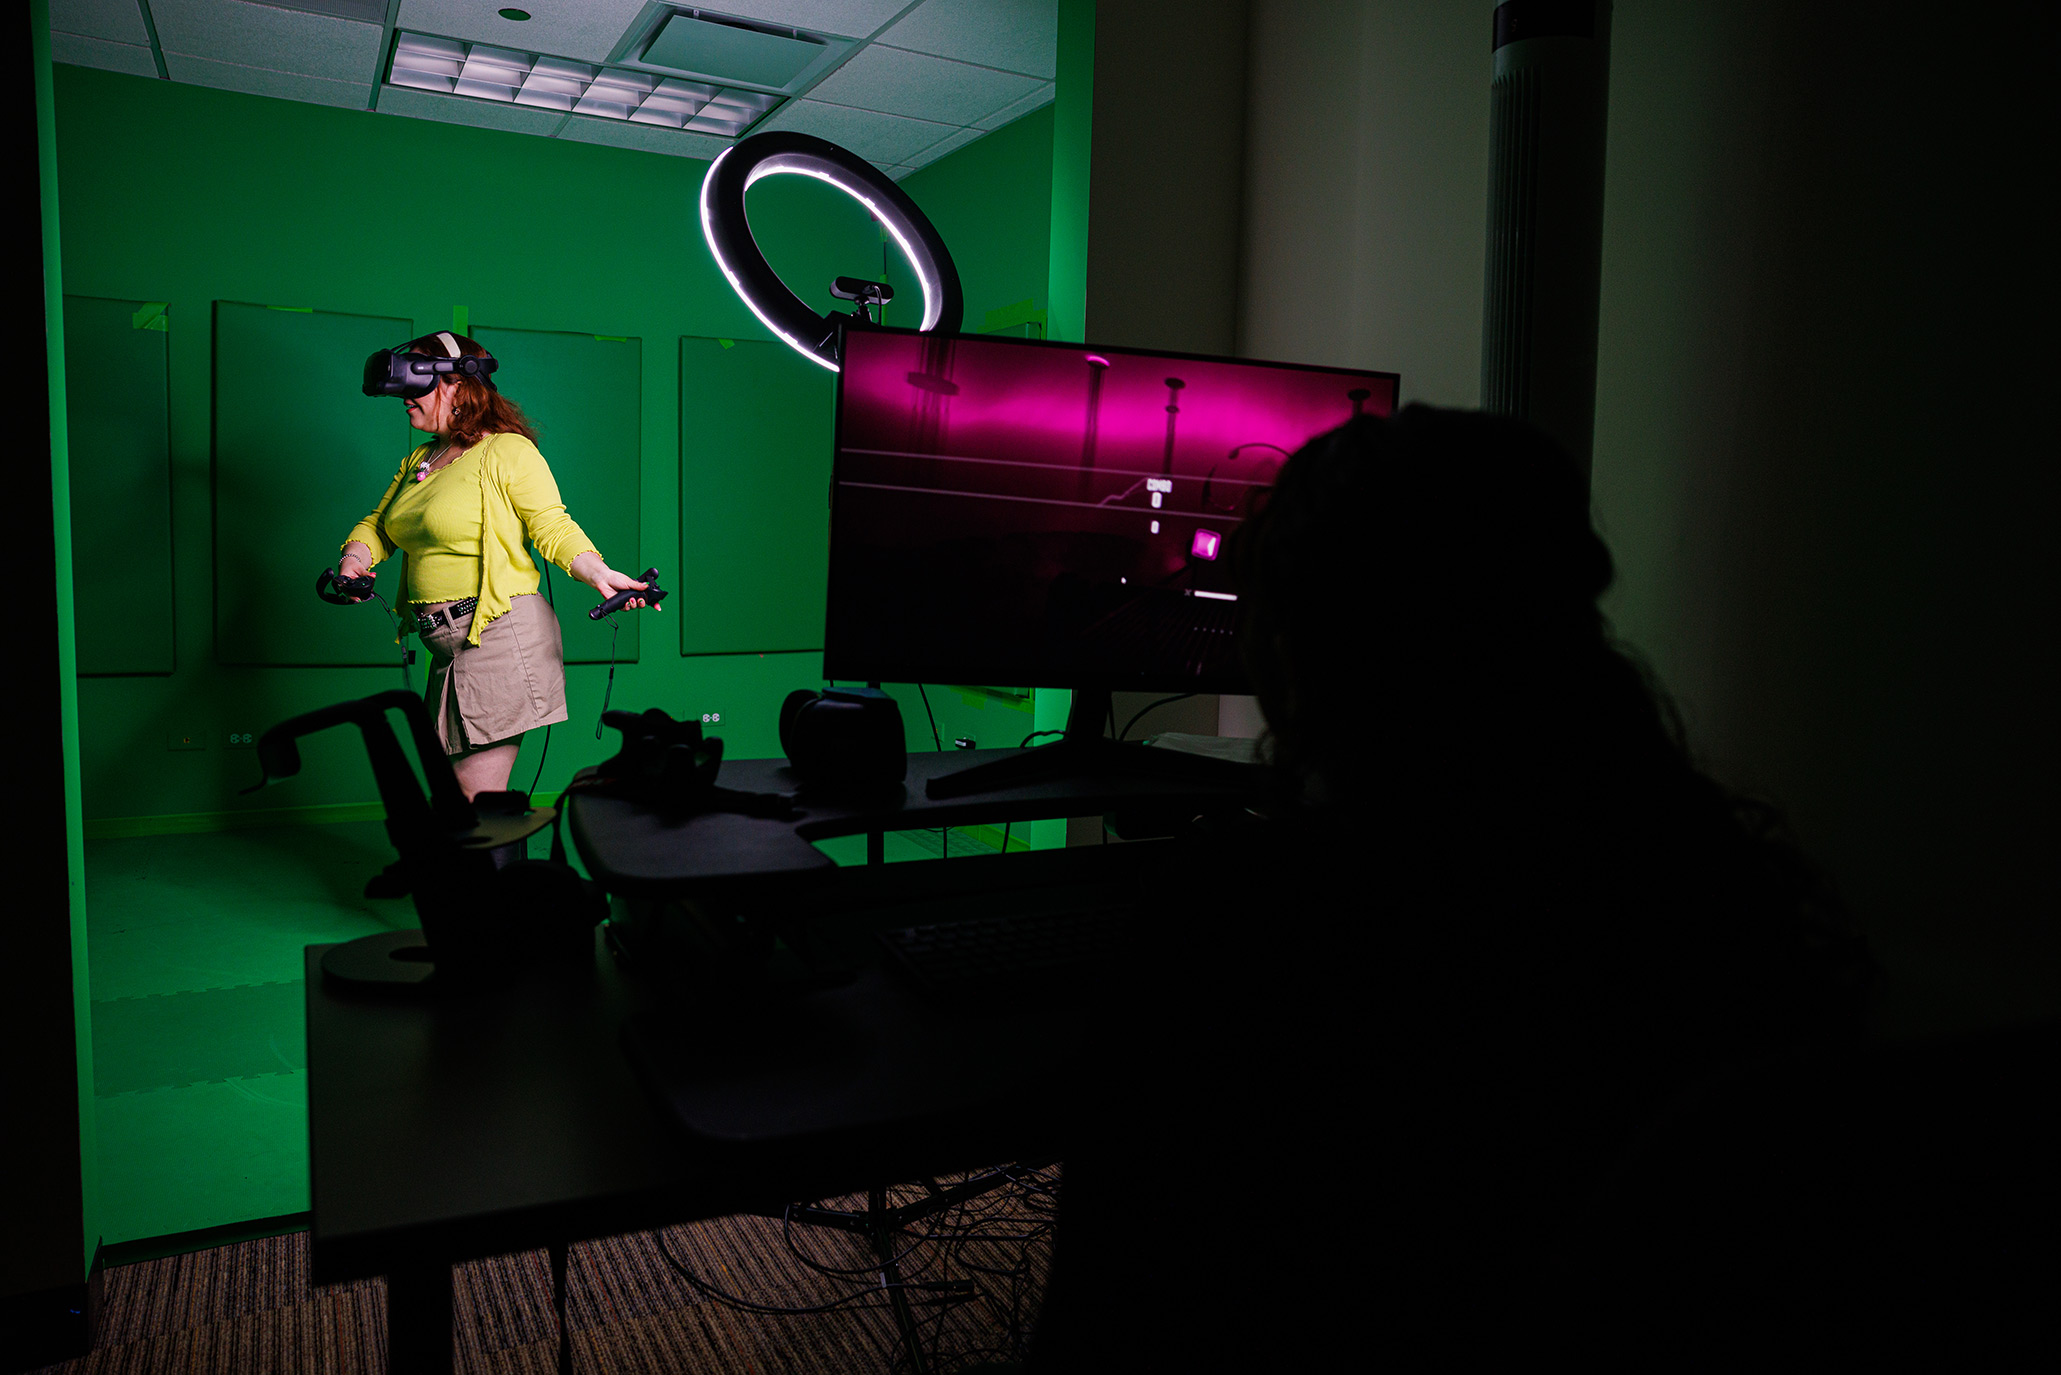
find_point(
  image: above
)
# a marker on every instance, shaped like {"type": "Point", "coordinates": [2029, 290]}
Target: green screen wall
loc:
{"type": "Point", "coordinates": [232, 260]}
{"type": "Point", "coordinates": [584, 394]}
{"type": "Point", "coordinates": [993, 205]}
{"type": "Point", "coordinates": [119, 423]}
{"type": "Point", "coordinates": [297, 461]}
{"type": "Point", "coordinates": [754, 497]}
{"type": "Point", "coordinates": [584, 269]}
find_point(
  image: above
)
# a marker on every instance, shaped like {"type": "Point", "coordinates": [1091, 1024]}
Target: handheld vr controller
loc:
{"type": "Point", "coordinates": [340, 591]}
{"type": "Point", "coordinates": [652, 594]}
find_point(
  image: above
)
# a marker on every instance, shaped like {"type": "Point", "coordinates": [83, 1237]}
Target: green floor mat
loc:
{"type": "Point", "coordinates": [177, 913]}
{"type": "Point", "coordinates": [202, 1155]}
{"type": "Point", "coordinates": [194, 958]}
{"type": "Point", "coordinates": [190, 1038]}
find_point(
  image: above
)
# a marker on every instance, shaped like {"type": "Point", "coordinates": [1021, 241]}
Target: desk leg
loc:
{"type": "Point", "coordinates": [876, 847]}
{"type": "Point", "coordinates": [418, 1321]}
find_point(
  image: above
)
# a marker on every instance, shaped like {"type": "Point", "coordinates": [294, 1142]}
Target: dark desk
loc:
{"type": "Point", "coordinates": [477, 1122]}
{"type": "Point", "coordinates": [636, 851]}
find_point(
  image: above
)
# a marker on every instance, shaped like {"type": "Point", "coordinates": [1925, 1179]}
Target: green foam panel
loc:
{"type": "Point", "coordinates": [121, 479]}
{"type": "Point", "coordinates": [300, 455]}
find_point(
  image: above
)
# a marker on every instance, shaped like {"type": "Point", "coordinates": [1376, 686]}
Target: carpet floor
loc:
{"type": "Point", "coordinates": [975, 1277]}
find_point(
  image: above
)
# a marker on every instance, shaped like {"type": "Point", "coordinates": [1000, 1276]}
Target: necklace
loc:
{"type": "Point", "coordinates": [423, 469]}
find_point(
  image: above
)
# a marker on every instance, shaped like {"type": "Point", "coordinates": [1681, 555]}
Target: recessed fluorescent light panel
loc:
{"type": "Point", "coordinates": [484, 72]}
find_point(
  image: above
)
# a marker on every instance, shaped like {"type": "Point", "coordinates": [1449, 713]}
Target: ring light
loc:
{"type": "Point", "coordinates": [723, 225]}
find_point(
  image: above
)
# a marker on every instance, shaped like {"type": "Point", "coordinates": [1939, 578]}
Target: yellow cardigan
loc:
{"type": "Point", "coordinates": [519, 505]}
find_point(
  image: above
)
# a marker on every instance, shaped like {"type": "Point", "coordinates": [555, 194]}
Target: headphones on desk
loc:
{"type": "Point", "coordinates": [844, 738]}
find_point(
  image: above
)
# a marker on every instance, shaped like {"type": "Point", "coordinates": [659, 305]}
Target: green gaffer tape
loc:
{"type": "Point", "coordinates": [151, 315]}
{"type": "Point", "coordinates": [1024, 312]}
{"type": "Point", "coordinates": [461, 319]}
{"type": "Point", "coordinates": [727, 343]}
{"type": "Point", "coordinates": [611, 338]}
{"type": "Point", "coordinates": [295, 310]}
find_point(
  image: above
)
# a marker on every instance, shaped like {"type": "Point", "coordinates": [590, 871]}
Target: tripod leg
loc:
{"type": "Point", "coordinates": [890, 1274]}
{"type": "Point", "coordinates": [561, 1260]}
{"type": "Point", "coordinates": [418, 1319]}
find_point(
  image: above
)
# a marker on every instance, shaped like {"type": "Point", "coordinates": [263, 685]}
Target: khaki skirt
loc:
{"type": "Point", "coordinates": [512, 681]}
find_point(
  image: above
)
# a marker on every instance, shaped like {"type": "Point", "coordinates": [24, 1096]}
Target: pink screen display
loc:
{"type": "Point", "coordinates": [1028, 513]}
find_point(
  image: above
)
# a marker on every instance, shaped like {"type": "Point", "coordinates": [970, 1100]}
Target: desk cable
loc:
{"type": "Point", "coordinates": [1152, 706]}
{"type": "Point", "coordinates": [944, 834]}
{"type": "Point", "coordinates": [969, 1223]}
{"type": "Point", "coordinates": [545, 753]}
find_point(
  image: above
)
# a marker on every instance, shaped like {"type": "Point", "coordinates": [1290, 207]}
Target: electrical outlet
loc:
{"type": "Point", "coordinates": [241, 740]}
{"type": "Point", "coordinates": [186, 740]}
{"type": "Point", "coordinates": [712, 718]}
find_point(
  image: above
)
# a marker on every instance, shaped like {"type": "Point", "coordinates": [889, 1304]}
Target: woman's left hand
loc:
{"type": "Point", "coordinates": [589, 569]}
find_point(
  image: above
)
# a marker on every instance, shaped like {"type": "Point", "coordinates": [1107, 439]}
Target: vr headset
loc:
{"type": "Point", "coordinates": [390, 372]}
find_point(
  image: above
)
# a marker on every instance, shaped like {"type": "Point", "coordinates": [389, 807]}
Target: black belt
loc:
{"type": "Point", "coordinates": [427, 621]}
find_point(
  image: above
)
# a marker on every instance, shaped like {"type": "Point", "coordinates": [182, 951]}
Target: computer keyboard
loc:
{"type": "Point", "coordinates": [1017, 954]}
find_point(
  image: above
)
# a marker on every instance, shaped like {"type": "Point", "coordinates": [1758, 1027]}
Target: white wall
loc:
{"type": "Point", "coordinates": [1366, 190]}
{"type": "Point", "coordinates": [1821, 451]}
{"type": "Point", "coordinates": [1164, 199]}
{"type": "Point", "coordinates": [1822, 455]}
{"type": "Point", "coordinates": [1164, 210]}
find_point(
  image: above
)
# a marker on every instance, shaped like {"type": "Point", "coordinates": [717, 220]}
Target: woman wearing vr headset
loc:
{"type": "Point", "coordinates": [461, 511]}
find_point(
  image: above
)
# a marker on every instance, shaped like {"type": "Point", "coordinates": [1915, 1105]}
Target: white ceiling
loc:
{"type": "Point", "coordinates": [917, 78]}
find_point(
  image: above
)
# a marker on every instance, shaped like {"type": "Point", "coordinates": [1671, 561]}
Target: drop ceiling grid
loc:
{"type": "Point", "coordinates": [934, 77]}
{"type": "Point", "coordinates": [1009, 35]}
{"type": "Point", "coordinates": [919, 86]}
{"type": "Point", "coordinates": [583, 30]}
{"type": "Point", "coordinates": [266, 81]}
{"type": "Point", "coordinates": [279, 40]}
{"type": "Point", "coordinates": [83, 50]}
{"type": "Point", "coordinates": [115, 21]}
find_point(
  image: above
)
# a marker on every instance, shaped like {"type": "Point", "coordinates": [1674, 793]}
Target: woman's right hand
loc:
{"type": "Point", "coordinates": [354, 563]}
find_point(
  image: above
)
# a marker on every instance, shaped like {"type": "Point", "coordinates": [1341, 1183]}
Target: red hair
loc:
{"type": "Point", "coordinates": [477, 410]}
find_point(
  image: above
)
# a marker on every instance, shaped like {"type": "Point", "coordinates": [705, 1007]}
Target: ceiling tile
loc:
{"type": "Point", "coordinates": [1016, 110]}
{"type": "Point", "coordinates": [81, 51]}
{"type": "Point", "coordinates": [845, 18]}
{"type": "Point", "coordinates": [880, 139]}
{"type": "Point", "coordinates": [261, 36]}
{"type": "Point", "coordinates": [481, 114]}
{"type": "Point", "coordinates": [1016, 35]}
{"type": "Point", "coordinates": [951, 142]}
{"type": "Point", "coordinates": [649, 138]}
{"type": "Point", "coordinates": [584, 30]}
{"type": "Point", "coordinates": [231, 76]}
{"type": "Point", "coordinates": [366, 11]}
{"type": "Point", "coordinates": [118, 21]}
{"type": "Point", "coordinates": [921, 87]}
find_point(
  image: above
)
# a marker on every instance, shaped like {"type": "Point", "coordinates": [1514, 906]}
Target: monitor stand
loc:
{"type": "Point", "coordinates": [1085, 751]}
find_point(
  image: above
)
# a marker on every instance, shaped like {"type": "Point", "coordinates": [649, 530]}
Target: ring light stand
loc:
{"type": "Point", "coordinates": [818, 338]}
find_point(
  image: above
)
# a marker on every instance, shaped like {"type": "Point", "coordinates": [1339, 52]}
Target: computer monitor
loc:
{"type": "Point", "coordinates": [1042, 514]}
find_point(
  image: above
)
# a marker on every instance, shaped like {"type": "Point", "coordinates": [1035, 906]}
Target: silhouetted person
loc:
{"type": "Point", "coordinates": [1392, 1042]}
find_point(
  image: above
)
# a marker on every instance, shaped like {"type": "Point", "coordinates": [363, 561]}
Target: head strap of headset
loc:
{"type": "Point", "coordinates": [393, 372]}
